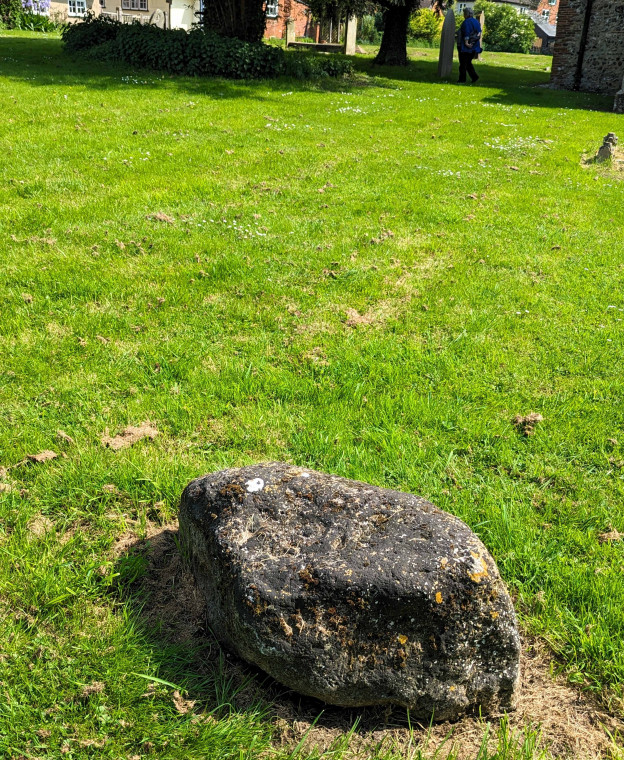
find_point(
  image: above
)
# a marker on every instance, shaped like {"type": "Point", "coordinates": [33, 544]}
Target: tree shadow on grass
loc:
{"type": "Point", "coordinates": [167, 607]}
{"type": "Point", "coordinates": [42, 62]}
{"type": "Point", "coordinates": [515, 86]}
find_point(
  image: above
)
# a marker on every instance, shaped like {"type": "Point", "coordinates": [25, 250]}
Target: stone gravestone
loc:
{"type": "Point", "coordinates": [607, 149]}
{"type": "Point", "coordinates": [482, 25]}
{"type": "Point", "coordinates": [447, 46]}
{"type": "Point", "coordinates": [350, 593]}
{"type": "Point", "coordinates": [290, 31]}
{"type": "Point", "coordinates": [158, 19]}
{"type": "Point", "coordinates": [351, 35]}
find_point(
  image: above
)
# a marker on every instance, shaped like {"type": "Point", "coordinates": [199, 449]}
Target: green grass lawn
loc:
{"type": "Point", "coordinates": [368, 277]}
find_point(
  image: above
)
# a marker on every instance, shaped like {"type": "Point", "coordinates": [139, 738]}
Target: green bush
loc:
{"type": "Point", "coordinates": [94, 31]}
{"type": "Point", "coordinates": [35, 22]}
{"type": "Point", "coordinates": [367, 30]}
{"type": "Point", "coordinates": [10, 11]}
{"type": "Point", "coordinates": [243, 19]}
{"type": "Point", "coordinates": [425, 25]}
{"type": "Point", "coordinates": [29, 15]}
{"type": "Point", "coordinates": [195, 53]}
{"type": "Point", "coordinates": [506, 30]}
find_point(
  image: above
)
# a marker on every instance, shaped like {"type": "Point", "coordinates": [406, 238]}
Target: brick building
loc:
{"type": "Point", "coordinates": [589, 52]}
{"type": "Point", "coordinates": [546, 9]}
{"type": "Point", "coordinates": [175, 14]}
{"type": "Point", "coordinates": [279, 11]}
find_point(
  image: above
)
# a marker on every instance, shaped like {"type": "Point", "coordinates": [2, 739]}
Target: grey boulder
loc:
{"type": "Point", "coordinates": [350, 593]}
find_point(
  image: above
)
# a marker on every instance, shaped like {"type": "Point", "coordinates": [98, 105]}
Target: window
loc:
{"type": "Point", "coordinates": [76, 7]}
{"type": "Point", "coordinates": [272, 8]}
{"type": "Point", "coordinates": [546, 14]}
{"type": "Point", "coordinates": [134, 5]}
{"type": "Point", "coordinates": [552, 2]}
{"type": "Point", "coordinates": [102, 3]}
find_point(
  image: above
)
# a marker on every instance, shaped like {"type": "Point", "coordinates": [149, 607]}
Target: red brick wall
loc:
{"type": "Point", "coordinates": [569, 24]}
{"type": "Point", "coordinates": [603, 62]}
{"type": "Point", "coordinates": [304, 27]}
{"type": "Point", "coordinates": [544, 5]}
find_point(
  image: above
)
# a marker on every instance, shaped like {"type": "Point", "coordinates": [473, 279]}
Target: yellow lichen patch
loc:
{"type": "Point", "coordinates": [494, 614]}
{"type": "Point", "coordinates": [443, 562]}
{"type": "Point", "coordinates": [285, 627]}
{"type": "Point", "coordinates": [480, 570]}
{"type": "Point", "coordinates": [438, 597]}
{"type": "Point", "coordinates": [402, 638]}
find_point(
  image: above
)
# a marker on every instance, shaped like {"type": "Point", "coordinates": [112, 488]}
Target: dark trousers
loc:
{"type": "Point", "coordinates": [465, 66]}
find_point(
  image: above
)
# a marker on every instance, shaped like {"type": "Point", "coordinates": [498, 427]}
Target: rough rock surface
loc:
{"type": "Point", "coordinates": [350, 593]}
{"type": "Point", "coordinates": [607, 149]}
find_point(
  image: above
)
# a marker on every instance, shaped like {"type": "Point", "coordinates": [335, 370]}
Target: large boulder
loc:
{"type": "Point", "coordinates": [353, 594]}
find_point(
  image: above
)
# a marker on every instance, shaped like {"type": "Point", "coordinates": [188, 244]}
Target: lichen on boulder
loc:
{"type": "Point", "coordinates": [350, 593]}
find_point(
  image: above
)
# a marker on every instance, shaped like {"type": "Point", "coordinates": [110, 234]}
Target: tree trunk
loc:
{"type": "Point", "coordinates": [244, 19]}
{"type": "Point", "coordinates": [393, 50]}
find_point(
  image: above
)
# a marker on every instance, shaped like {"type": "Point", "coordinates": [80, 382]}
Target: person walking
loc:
{"type": "Point", "coordinates": [468, 46]}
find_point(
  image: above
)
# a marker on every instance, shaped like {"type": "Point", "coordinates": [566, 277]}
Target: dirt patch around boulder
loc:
{"type": "Point", "coordinates": [613, 166]}
{"type": "Point", "coordinates": [572, 724]}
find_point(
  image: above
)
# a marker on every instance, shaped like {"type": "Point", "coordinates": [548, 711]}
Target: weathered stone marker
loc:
{"type": "Point", "coordinates": [158, 19]}
{"type": "Point", "coordinates": [607, 150]}
{"type": "Point", "coordinates": [448, 41]}
{"type": "Point", "coordinates": [350, 42]}
{"type": "Point", "coordinates": [353, 594]}
{"type": "Point", "coordinates": [290, 31]}
{"type": "Point", "coordinates": [482, 25]}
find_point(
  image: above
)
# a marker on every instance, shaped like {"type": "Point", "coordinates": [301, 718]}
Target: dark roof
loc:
{"type": "Point", "coordinates": [548, 29]}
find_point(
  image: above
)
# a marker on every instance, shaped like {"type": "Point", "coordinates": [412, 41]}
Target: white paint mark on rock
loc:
{"type": "Point", "coordinates": [305, 474]}
{"type": "Point", "coordinates": [254, 485]}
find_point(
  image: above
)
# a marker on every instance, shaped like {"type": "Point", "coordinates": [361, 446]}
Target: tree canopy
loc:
{"type": "Point", "coordinates": [243, 19]}
{"type": "Point", "coordinates": [505, 30]}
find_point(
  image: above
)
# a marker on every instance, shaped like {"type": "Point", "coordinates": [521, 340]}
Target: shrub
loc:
{"type": "Point", "coordinates": [242, 19]}
{"type": "Point", "coordinates": [506, 30]}
{"type": "Point", "coordinates": [95, 30]}
{"type": "Point", "coordinates": [27, 14]}
{"type": "Point", "coordinates": [35, 22]}
{"type": "Point", "coordinates": [425, 25]}
{"type": "Point", "coordinates": [367, 30]}
{"type": "Point", "coordinates": [196, 53]}
{"type": "Point", "coordinates": [306, 64]}
{"type": "Point", "coordinates": [10, 11]}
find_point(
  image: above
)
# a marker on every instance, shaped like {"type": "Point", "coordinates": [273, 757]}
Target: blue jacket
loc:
{"type": "Point", "coordinates": [470, 26]}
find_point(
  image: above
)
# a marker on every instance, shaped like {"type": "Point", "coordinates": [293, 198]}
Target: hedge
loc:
{"type": "Point", "coordinates": [194, 53]}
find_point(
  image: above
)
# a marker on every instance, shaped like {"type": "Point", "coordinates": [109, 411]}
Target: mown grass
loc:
{"type": "Point", "coordinates": [368, 277]}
